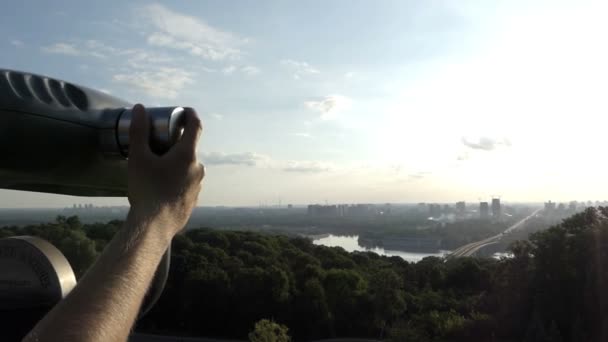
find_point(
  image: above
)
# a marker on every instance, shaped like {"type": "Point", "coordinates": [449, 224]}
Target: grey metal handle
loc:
{"type": "Point", "coordinates": [166, 127]}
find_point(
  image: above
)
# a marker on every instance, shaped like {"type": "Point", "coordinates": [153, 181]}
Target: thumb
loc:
{"type": "Point", "coordinates": [139, 131]}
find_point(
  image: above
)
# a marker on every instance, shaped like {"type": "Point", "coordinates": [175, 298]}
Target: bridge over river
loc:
{"type": "Point", "coordinates": [473, 247]}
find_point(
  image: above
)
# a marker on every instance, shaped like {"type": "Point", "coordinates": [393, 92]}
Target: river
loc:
{"type": "Point", "coordinates": [351, 244]}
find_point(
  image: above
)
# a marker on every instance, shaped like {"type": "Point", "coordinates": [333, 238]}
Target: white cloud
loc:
{"type": "Point", "coordinates": [298, 69]}
{"type": "Point", "coordinates": [330, 106]}
{"type": "Point", "coordinates": [229, 69]}
{"type": "Point", "coordinates": [17, 43]}
{"type": "Point", "coordinates": [206, 69]}
{"type": "Point", "coordinates": [252, 159]}
{"type": "Point", "coordinates": [91, 48]}
{"type": "Point", "coordinates": [155, 74]}
{"type": "Point", "coordinates": [141, 59]}
{"type": "Point", "coordinates": [463, 156]}
{"type": "Point", "coordinates": [100, 49]}
{"type": "Point", "coordinates": [217, 116]}
{"type": "Point", "coordinates": [243, 159]}
{"type": "Point", "coordinates": [183, 32]}
{"type": "Point", "coordinates": [485, 143]}
{"type": "Point", "coordinates": [132, 58]}
{"type": "Point", "coordinates": [63, 49]}
{"type": "Point", "coordinates": [418, 175]}
{"type": "Point", "coordinates": [306, 167]}
{"type": "Point", "coordinates": [349, 75]}
{"type": "Point", "coordinates": [303, 135]}
{"type": "Point", "coordinates": [164, 82]}
{"type": "Point", "coordinates": [250, 70]}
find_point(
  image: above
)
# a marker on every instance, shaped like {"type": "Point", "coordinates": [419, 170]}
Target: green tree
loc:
{"type": "Point", "coordinates": [73, 223]}
{"type": "Point", "coordinates": [79, 250]}
{"type": "Point", "coordinates": [553, 286]}
{"type": "Point", "coordinates": [268, 331]}
{"type": "Point", "coordinates": [405, 331]}
{"type": "Point", "coordinates": [387, 297]}
{"type": "Point", "coordinates": [344, 291]}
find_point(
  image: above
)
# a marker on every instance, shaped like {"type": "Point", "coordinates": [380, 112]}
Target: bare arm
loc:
{"type": "Point", "coordinates": [162, 192]}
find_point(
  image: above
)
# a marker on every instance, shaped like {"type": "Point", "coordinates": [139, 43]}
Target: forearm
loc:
{"type": "Point", "coordinates": [163, 190]}
{"type": "Point", "coordinates": [105, 304]}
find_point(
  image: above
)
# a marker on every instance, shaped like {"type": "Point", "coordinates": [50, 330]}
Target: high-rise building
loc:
{"type": "Point", "coordinates": [434, 210]}
{"type": "Point", "coordinates": [322, 210]}
{"type": "Point", "coordinates": [461, 208]}
{"type": "Point", "coordinates": [549, 207]}
{"type": "Point", "coordinates": [496, 209]}
{"type": "Point", "coordinates": [572, 206]}
{"type": "Point", "coordinates": [484, 210]}
{"type": "Point", "coordinates": [342, 210]}
{"type": "Point", "coordinates": [359, 210]}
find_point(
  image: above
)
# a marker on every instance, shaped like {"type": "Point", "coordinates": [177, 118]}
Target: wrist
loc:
{"type": "Point", "coordinates": [151, 223]}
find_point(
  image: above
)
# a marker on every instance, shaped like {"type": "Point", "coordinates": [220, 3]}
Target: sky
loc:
{"type": "Point", "coordinates": [347, 101]}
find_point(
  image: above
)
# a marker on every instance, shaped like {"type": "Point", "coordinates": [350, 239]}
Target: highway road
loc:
{"type": "Point", "coordinates": [471, 248]}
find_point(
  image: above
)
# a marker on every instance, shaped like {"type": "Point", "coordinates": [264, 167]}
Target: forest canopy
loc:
{"type": "Point", "coordinates": [222, 283]}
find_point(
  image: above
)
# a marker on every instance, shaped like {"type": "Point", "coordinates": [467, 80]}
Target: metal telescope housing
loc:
{"type": "Point", "coordinates": [62, 138]}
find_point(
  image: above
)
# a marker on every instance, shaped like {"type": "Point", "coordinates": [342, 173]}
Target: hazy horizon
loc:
{"type": "Point", "coordinates": [469, 204]}
{"type": "Point", "coordinates": [306, 102]}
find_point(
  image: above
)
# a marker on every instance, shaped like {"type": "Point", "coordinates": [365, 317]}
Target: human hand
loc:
{"type": "Point", "coordinates": [164, 187]}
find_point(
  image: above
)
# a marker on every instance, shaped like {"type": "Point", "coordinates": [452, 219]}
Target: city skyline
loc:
{"type": "Point", "coordinates": [457, 206]}
{"type": "Point", "coordinates": [399, 101]}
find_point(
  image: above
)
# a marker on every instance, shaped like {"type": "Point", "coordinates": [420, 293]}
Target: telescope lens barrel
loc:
{"type": "Point", "coordinates": [166, 127]}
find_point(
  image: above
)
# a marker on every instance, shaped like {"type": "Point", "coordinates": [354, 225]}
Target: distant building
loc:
{"type": "Point", "coordinates": [322, 210]}
{"type": "Point", "coordinates": [386, 209]}
{"type": "Point", "coordinates": [421, 207]}
{"type": "Point", "coordinates": [496, 209]}
{"type": "Point", "coordinates": [360, 210]}
{"type": "Point", "coordinates": [572, 206]}
{"type": "Point", "coordinates": [347, 210]}
{"type": "Point", "coordinates": [289, 206]}
{"type": "Point", "coordinates": [434, 210]}
{"type": "Point", "coordinates": [561, 207]}
{"type": "Point", "coordinates": [461, 208]}
{"type": "Point", "coordinates": [342, 210]}
{"type": "Point", "coordinates": [549, 207]}
{"type": "Point", "coordinates": [484, 210]}
{"type": "Point", "coordinates": [446, 209]}
{"type": "Point", "coordinates": [311, 210]}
